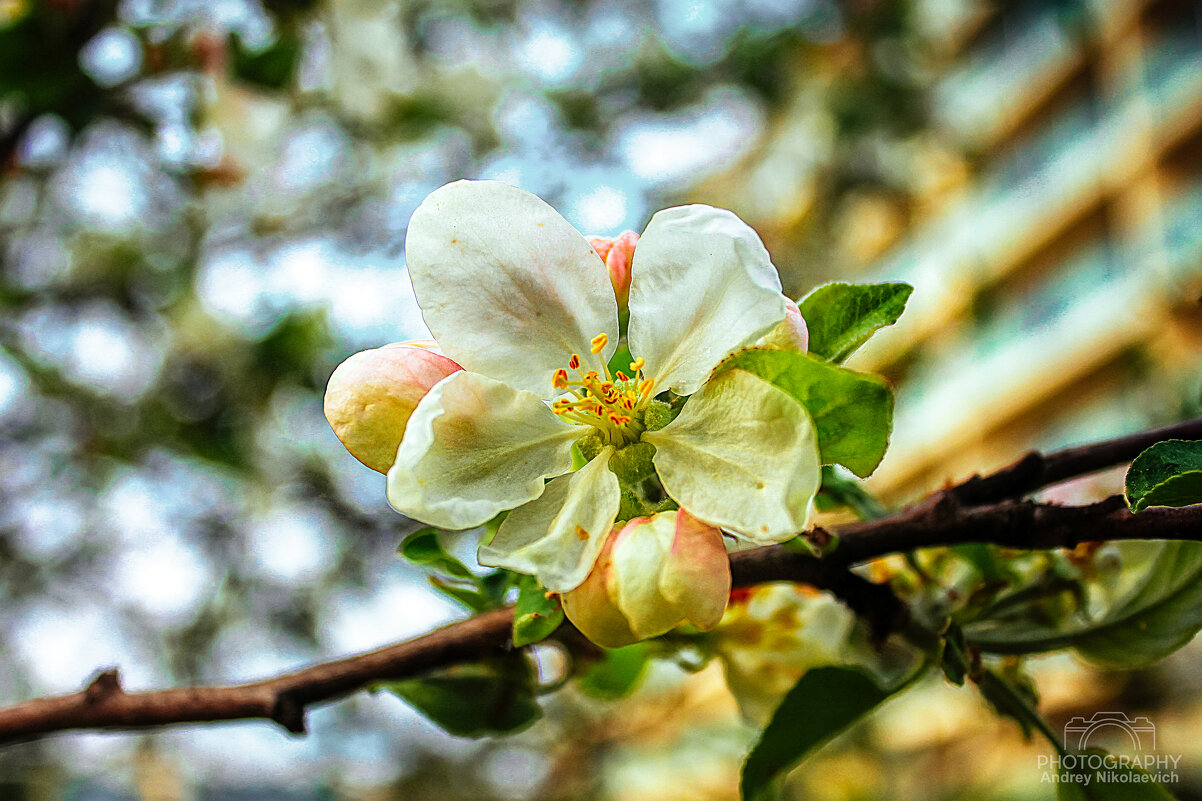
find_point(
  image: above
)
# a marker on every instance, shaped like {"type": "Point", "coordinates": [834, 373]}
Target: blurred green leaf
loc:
{"type": "Point", "coordinates": [271, 67]}
{"type": "Point", "coordinates": [468, 596]}
{"type": "Point", "coordinates": [1167, 474]}
{"type": "Point", "coordinates": [821, 705]}
{"type": "Point", "coordinates": [954, 659]}
{"type": "Point", "coordinates": [472, 702]}
{"type": "Point", "coordinates": [841, 317]}
{"type": "Point", "coordinates": [1013, 695]}
{"type": "Point", "coordinates": [617, 672]}
{"type": "Point", "coordinates": [535, 616]}
{"type": "Point", "coordinates": [1160, 615]}
{"type": "Point", "coordinates": [853, 412]}
{"type": "Point", "coordinates": [423, 547]}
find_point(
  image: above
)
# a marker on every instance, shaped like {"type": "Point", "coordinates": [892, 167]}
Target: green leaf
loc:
{"type": "Point", "coordinates": [470, 597]}
{"type": "Point", "coordinates": [473, 702]}
{"type": "Point", "coordinates": [824, 702]}
{"type": "Point", "coordinates": [1118, 783]}
{"type": "Point", "coordinates": [840, 490]}
{"type": "Point", "coordinates": [853, 412]}
{"type": "Point", "coordinates": [1167, 474]}
{"type": "Point", "coordinates": [271, 67]}
{"type": "Point", "coordinates": [616, 674]}
{"type": "Point", "coordinates": [841, 317]}
{"type": "Point", "coordinates": [423, 548]}
{"type": "Point", "coordinates": [535, 616]}
{"type": "Point", "coordinates": [1163, 613]}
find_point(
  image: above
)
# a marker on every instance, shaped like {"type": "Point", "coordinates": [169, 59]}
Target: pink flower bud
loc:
{"type": "Point", "coordinates": [653, 574]}
{"type": "Point", "coordinates": [371, 395]}
{"type": "Point", "coordinates": [791, 333]}
{"type": "Point", "coordinates": [617, 253]}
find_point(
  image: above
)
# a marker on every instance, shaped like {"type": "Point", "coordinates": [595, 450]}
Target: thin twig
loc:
{"type": "Point", "coordinates": [983, 509]}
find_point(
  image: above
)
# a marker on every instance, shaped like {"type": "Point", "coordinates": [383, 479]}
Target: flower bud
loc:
{"type": "Point", "coordinates": [791, 333]}
{"type": "Point", "coordinates": [371, 395]}
{"type": "Point", "coordinates": [617, 253]}
{"type": "Point", "coordinates": [772, 635]}
{"type": "Point", "coordinates": [653, 574]}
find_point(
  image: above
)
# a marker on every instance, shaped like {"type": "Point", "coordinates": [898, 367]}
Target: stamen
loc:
{"type": "Point", "coordinates": [621, 376]}
{"type": "Point", "coordinates": [574, 362]}
{"type": "Point", "coordinates": [560, 380]}
{"type": "Point", "coordinates": [599, 342]}
{"type": "Point", "coordinates": [637, 364]}
{"type": "Point", "coordinates": [645, 387]}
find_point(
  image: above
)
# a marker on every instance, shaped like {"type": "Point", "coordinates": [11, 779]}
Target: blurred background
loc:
{"type": "Point", "coordinates": [202, 212]}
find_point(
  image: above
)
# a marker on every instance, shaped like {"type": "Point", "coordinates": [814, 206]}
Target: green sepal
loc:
{"type": "Point", "coordinates": [423, 547]}
{"type": "Point", "coordinates": [535, 616]}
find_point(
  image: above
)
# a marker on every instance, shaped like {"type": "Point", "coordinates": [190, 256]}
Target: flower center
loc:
{"type": "Point", "coordinates": [610, 403]}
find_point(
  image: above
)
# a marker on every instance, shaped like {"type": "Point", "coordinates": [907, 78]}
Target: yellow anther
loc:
{"type": "Point", "coordinates": [645, 387]}
{"type": "Point", "coordinates": [574, 362]}
{"type": "Point", "coordinates": [637, 364]}
{"type": "Point", "coordinates": [621, 376]}
{"type": "Point", "coordinates": [607, 387]}
{"type": "Point", "coordinates": [599, 342]}
{"type": "Point", "coordinates": [591, 375]}
{"type": "Point", "coordinates": [560, 380]}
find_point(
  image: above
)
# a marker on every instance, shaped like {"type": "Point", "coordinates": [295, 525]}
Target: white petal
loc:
{"type": "Point", "coordinates": [639, 555]}
{"type": "Point", "coordinates": [742, 456]}
{"type": "Point", "coordinates": [507, 286]}
{"type": "Point", "coordinates": [702, 285]}
{"type": "Point", "coordinates": [557, 536]}
{"type": "Point", "coordinates": [474, 447]}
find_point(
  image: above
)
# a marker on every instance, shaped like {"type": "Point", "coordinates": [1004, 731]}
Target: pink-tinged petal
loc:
{"type": "Point", "coordinates": [617, 253]}
{"type": "Point", "coordinates": [601, 244]}
{"type": "Point", "coordinates": [640, 551]}
{"type": "Point", "coordinates": [371, 395]}
{"type": "Point", "coordinates": [696, 574]}
{"type": "Point", "coordinates": [592, 610]}
{"type": "Point", "coordinates": [791, 333]}
{"type": "Point", "coordinates": [507, 286]}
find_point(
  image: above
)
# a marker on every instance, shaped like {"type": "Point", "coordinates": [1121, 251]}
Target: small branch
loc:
{"type": "Point", "coordinates": [105, 705]}
{"type": "Point", "coordinates": [982, 509]}
{"type": "Point", "coordinates": [1036, 470]}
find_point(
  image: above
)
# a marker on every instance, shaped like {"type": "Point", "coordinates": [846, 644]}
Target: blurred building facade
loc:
{"type": "Point", "coordinates": [1054, 234]}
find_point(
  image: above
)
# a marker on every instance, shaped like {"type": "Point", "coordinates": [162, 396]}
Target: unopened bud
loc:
{"type": "Point", "coordinates": [653, 574]}
{"type": "Point", "coordinates": [371, 395]}
{"type": "Point", "coordinates": [617, 253]}
{"type": "Point", "coordinates": [791, 333]}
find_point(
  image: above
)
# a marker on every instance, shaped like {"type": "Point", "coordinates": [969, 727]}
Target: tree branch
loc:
{"type": "Point", "coordinates": [982, 509]}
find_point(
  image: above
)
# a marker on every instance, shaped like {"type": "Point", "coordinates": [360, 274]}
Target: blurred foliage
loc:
{"type": "Point", "coordinates": [202, 211]}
